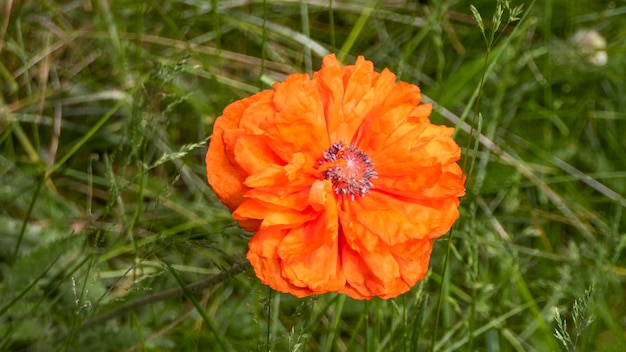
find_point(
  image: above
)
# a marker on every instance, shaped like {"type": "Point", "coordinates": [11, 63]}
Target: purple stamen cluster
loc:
{"type": "Point", "coordinates": [351, 170]}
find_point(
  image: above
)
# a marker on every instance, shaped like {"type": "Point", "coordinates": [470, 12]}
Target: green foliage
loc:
{"type": "Point", "coordinates": [106, 215]}
{"type": "Point", "coordinates": [581, 318]}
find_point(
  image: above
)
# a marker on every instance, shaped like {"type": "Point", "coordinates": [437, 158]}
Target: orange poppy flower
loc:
{"type": "Point", "coordinates": [342, 178]}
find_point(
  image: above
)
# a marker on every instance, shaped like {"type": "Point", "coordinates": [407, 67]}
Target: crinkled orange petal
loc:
{"type": "Point", "coordinates": [297, 199]}
{"type": "Point", "coordinates": [421, 164]}
{"type": "Point", "coordinates": [268, 177]}
{"type": "Point", "coordinates": [319, 270]}
{"type": "Point", "coordinates": [259, 110]}
{"type": "Point", "coordinates": [225, 177]}
{"type": "Point", "coordinates": [266, 263]}
{"type": "Point", "coordinates": [358, 84]}
{"type": "Point", "coordinates": [298, 125]}
{"type": "Point", "coordinates": [381, 219]}
{"type": "Point", "coordinates": [310, 255]}
{"type": "Point", "coordinates": [373, 274]}
{"type": "Point", "coordinates": [293, 189]}
{"type": "Point", "coordinates": [386, 272]}
{"type": "Point", "coordinates": [252, 153]}
{"type": "Point", "coordinates": [272, 214]}
{"type": "Point", "coordinates": [413, 267]}
{"type": "Point", "coordinates": [358, 98]}
{"type": "Point", "coordinates": [331, 90]}
{"type": "Point", "coordinates": [394, 117]}
{"type": "Point", "coordinates": [355, 235]}
{"type": "Point", "coordinates": [307, 255]}
{"type": "Point", "coordinates": [369, 107]}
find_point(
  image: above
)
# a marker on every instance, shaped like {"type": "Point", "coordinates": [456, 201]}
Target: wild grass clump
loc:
{"type": "Point", "coordinates": [112, 240]}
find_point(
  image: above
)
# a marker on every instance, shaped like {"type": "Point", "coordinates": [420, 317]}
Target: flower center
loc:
{"type": "Point", "coordinates": [349, 169]}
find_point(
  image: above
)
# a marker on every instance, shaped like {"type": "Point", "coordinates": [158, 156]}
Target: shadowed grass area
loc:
{"type": "Point", "coordinates": [112, 240]}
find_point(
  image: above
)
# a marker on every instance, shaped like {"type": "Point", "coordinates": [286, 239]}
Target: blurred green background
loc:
{"type": "Point", "coordinates": [105, 213]}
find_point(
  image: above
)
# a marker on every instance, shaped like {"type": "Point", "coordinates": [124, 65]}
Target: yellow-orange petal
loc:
{"type": "Point", "coordinates": [253, 153]}
{"type": "Point", "coordinates": [305, 256]}
{"type": "Point", "coordinates": [310, 255]}
{"type": "Point", "coordinates": [298, 124]}
{"type": "Point", "coordinates": [272, 214]}
{"type": "Point", "coordinates": [331, 91]}
{"type": "Point", "coordinates": [268, 177]}
{"type": "Point", "coordinates": [295, 198]}
{"type": "Point", "coordinates": [383, 220]}
{"type": "Point", "coordinates": [449, 184]}
{"type": "Point", "coordinates": [358, 95]}
{"type": "Point", "coordinates": [299, 172]}
{"type": "Point", "coordinates": [319, 270]}
{"type": "Point", "coordinates": [369, 106]}
{"type": "Point", "coordinates": [413, 259]}
{"type": "Point", "coordinates": [444, 212]}
{"type": "Point", "coordinates": [226, 178]}
{"type": "Point", "coordinates": [419, 163]}
{"type": "Point", "coordinates": [320, 194]}
{"type": "Point", "coordinates": [374, 274]}
{"type": "Point", "coordinates": [436, 142]}
{"type": "Point", "coordinates": [370, 274]}
{"type": "Point", "coordinates": [413, 249]}
{"type": "Point", "coordinates": [259, 110]}
{"type": "Point", "coordinates": [319, 231]}
{"type": "Point", "coordinates": [267, 265]}
{"type": "Point", "coordinates": [292, 187]}
{"type": "Point", "coordinates": [394, 117]}
{"type": "Point", "coordinates": [354, 234]}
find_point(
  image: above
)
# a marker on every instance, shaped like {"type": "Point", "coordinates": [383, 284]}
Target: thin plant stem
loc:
{"type": "Point", "coordinates": [304, 13]}
{"type": "Point", "coordinates": [443, 291]}
{"type": "Point", "coordinates": [26, 218]}
{"type": "Point", "coordinates": [334, 326]}
{"type": "Point", "coordinates": [269, 319]}
{"type": "Point", "coordinates": [263, 40]}
{"type": "Point", "coordinates": [331, 18]}
{"type": "Point", "coordinates": [209, 322]}
{"type": "Point", "coordinates": [369, 343]}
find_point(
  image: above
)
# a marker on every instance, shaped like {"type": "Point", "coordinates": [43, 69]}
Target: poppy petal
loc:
{"type": "Point", "coordinates": [266, 263]}
{"type": "Point", "coordinates": [298, 124]}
